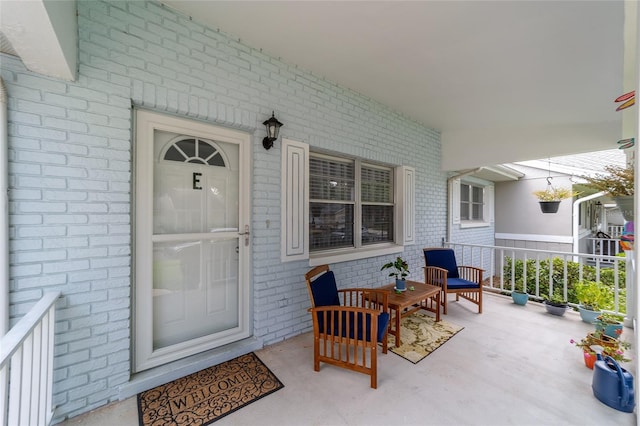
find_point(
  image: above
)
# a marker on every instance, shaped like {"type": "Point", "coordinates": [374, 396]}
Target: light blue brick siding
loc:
{"type": "Point", "coordinates": [70, 148]}
{"type": "Point", "coordinates": [480, 236]}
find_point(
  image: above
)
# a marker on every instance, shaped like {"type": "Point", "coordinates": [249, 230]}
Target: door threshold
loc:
{"type": "Point", "coordinates": [157, 376]}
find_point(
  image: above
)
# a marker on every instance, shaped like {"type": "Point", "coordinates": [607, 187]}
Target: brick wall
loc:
{"type": "Point", "coordinates": [70, 176]}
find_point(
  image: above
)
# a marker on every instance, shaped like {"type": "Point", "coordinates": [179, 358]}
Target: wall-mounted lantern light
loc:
{"type": "Point", "coordinates": [273, 127]}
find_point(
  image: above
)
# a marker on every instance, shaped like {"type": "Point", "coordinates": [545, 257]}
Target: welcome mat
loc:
{"type": "Point", "coordinates": [208, 395]}
{"type": "Point", "coordinates": [420, 335]}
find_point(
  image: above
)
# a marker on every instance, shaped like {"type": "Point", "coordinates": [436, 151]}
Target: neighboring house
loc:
{"type": "Point", "coordinates": [520, 222]}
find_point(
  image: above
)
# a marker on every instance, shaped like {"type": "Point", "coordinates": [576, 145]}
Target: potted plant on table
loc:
{"type": "Point", "coordinates": [550, 198]}
{"type": "Point", "coordinates": [556, 304]}
{"type": "Point", "coordinates": [592, 298]}
{"type": "Point", "coordinates": [618, 183]}
{"type": "Point", "coordinates": [400, 270]}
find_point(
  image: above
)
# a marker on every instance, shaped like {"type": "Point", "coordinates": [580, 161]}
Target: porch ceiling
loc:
{"type": "Point", "coordinates": [502, 81]}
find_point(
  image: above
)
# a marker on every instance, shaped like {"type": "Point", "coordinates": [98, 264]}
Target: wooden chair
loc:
{"type": "Point", "coordinates": [348, 324]}
{"type": "Point", "coordinates": [442, 270]}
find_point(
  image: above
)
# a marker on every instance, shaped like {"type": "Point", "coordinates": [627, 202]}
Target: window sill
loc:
{"type": "Point", "coordinates": [345, 255]}
{"type": "Point", "coordinates": [474, 224]}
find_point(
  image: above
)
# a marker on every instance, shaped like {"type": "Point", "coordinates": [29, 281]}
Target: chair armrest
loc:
{"type": "Point", "coordinates": [435, 275]}
{"type": "Point", "coordinates": [337, 308]}
{"type": "Point", "coordinates": [471, 273]}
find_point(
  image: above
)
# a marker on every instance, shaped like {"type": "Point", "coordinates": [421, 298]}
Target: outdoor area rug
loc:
{"type": "Point", "coordinates": [420, 335]}
{"type": "Point", "coordinates": [208, 395]}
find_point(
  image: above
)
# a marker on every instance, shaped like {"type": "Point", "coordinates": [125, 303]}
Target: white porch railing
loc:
{"type": "Point", "coordinates": [605, 246]}
{"type": "Point", "coordinates": [493, 260]}
{"type": "Point", "coordinates": [26, 367]}
{"type": "Point", "coordinates": [615, 230]}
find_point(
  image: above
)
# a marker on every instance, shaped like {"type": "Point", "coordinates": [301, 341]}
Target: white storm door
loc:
{"type": "Point", "coordinates": [192, 238]}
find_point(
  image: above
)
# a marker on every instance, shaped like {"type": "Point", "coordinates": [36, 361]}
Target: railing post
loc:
{"type": "Point", "coordinates": [26, 362]}
{"type": "Point", "coordinates": [631, 290]}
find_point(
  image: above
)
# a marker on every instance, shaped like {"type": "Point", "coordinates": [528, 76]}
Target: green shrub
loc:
{"type": "Point", "coordinates": [556, 266]}
{"type": "Point", "coordinates": [594, 296]}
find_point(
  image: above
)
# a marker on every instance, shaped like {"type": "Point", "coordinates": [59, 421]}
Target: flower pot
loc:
{"type": "Point", "coordinates": [604, 341]}
{"type": "Point", "coordinates": [519, 298]}
{"type": "Point", "coordinates": [549, 206]}
{"type": "Point", "coordinates": [556, 308]}
{"type": "Point", "coordinates": [588, 315]}
{"type": "Point", "coordinates": [625, 204]}
{"type": "Point", "coordinates": [401, 285]}
{"type": "Point", "coordinates": [589, 359]}
{"type": "Point", "coordinates": [611, 330]}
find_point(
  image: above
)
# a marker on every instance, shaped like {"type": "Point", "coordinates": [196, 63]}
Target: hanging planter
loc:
{"type": "Point", "coordinates": [550, 198]}
{"type": "Point", "coordinates": [549, 206]}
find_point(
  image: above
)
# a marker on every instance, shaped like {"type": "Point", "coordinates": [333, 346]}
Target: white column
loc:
{"type": "Point", "coordinates": [632, 276]}
{"type": "Point", "coordinates": [4, 221]}
{"type": "Point", "coordinates": [631, 287]}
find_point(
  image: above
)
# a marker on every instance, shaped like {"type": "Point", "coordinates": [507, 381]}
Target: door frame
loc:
{"type": "Point", "coordinates": [145, 122]}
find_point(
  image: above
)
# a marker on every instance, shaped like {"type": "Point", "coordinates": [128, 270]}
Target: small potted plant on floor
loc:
{"type": "Point", "coordinates": [519, 293]}
{"type": "Point", "coordinates": [400, 270]}
{"type": "Point", "coordinates": [609, 324]}
{"type": "Point", "coordinates": [592, 298]}
{"type": "Point", "coordinates": [556, 304]}
{"type": "Point", "coordinates": [550, 198]}
{"type": "Point", "coordinates": [615, 348]}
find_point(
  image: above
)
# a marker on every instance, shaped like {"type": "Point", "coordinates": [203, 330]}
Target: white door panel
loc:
{"type": "Point", "coordinates": [191, 263]}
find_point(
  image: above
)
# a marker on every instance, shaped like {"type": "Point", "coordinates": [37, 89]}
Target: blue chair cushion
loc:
{"type": "Point", "coordinates": [442, 258]}
{"type": "Point", "coordinates": [455, 283]}
{"type": "Point", "coordinates": [383, 322]}
{"type": "Point", "coordinates": [324, 290]}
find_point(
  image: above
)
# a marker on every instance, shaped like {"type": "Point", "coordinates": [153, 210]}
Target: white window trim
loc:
{"type": "Point", "coordinates": [473, 224]}
{"type": "Point", "coordinates": [294, 209]}
{"type": "Point", "coordinates": [488, 207]}
{"type": "Point", "coordinates": [348, 254]}
{"type": "Point", "coordinates": [405, 213]}
{"type": "Point", "coordinates": [294, 216]}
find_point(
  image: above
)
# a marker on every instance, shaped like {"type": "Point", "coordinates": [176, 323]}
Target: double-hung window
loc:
{"type": "Point", "coordinates": [351, 203]}
{"type": "Point", "coordinates": [471, 202]}
{"type": "Point", "coordinates": [336, 208]}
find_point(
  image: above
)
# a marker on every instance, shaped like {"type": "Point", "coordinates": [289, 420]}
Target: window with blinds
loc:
{"type": "Point", "coordinates": [377, 204]}
{"type": "Point", "coordinates": [351, 203]}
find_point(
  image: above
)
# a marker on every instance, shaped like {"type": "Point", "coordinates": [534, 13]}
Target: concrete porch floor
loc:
{"type": "Point", "coordinates": [511, 365]}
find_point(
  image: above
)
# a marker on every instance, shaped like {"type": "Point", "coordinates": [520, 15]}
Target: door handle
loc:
{"type": "Point", "coordinates": [246, 234]}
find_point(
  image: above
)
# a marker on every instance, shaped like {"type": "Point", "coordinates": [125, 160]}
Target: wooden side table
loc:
{"type": "Point", "coordinates": [423, 296]}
